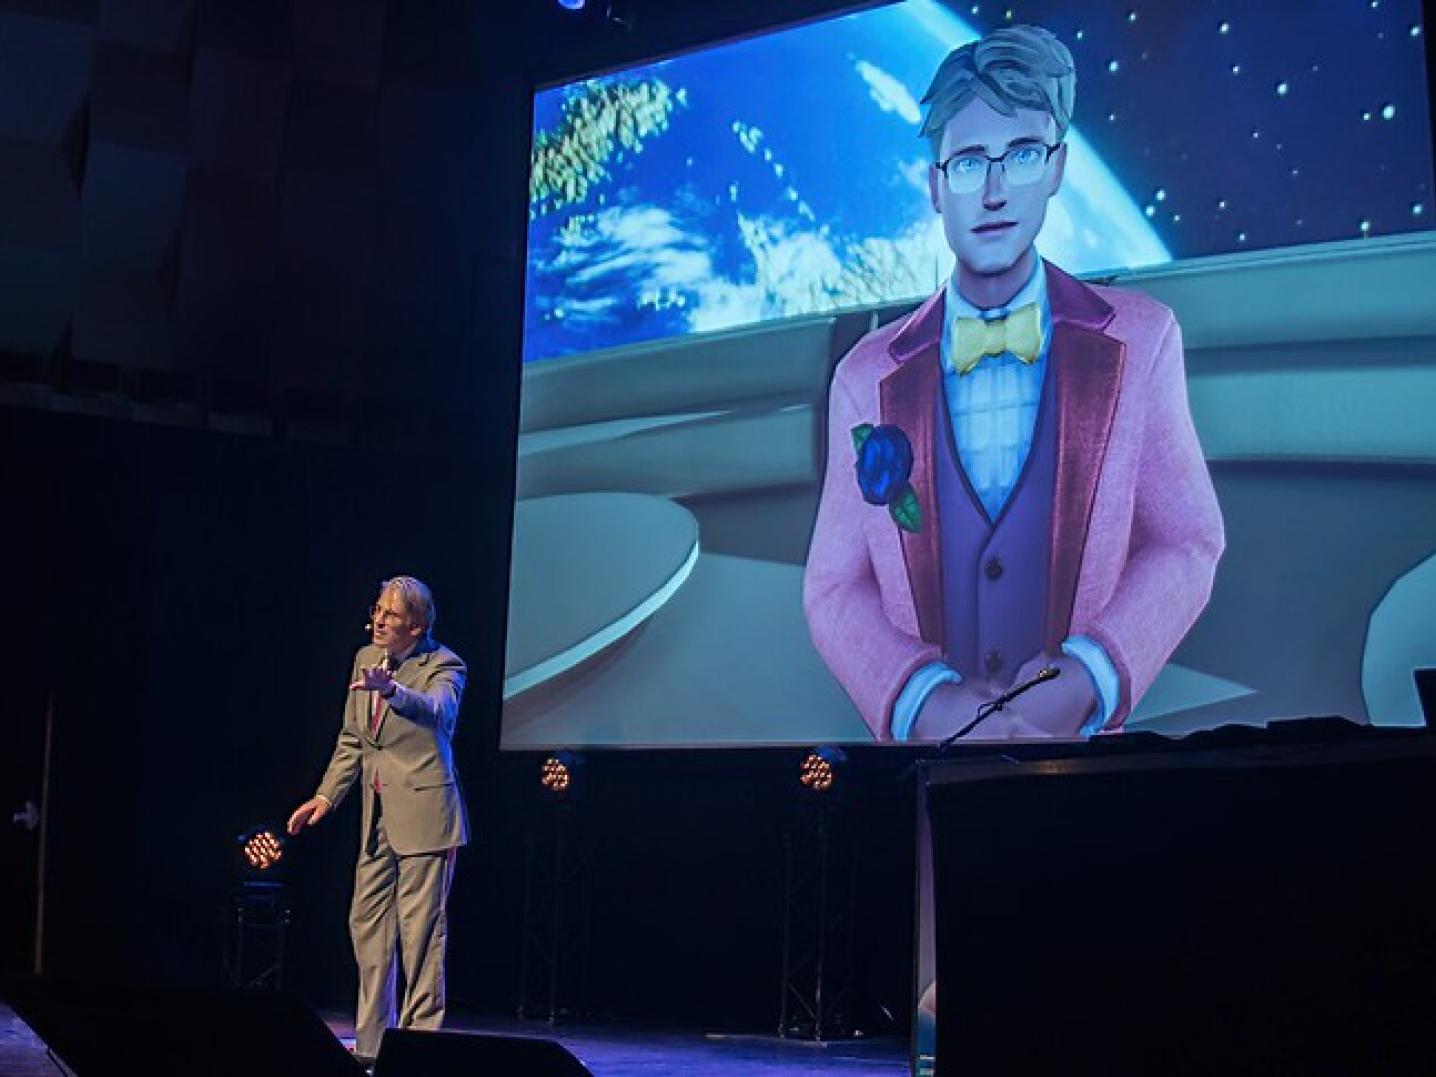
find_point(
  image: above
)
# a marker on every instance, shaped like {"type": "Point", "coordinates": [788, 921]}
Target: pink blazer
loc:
{"type": "Point", "coordinates": [1136, 529]}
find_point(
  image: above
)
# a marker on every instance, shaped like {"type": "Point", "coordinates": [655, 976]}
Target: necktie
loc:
{"type": "Point", "coordinates": [376, 709]}
{"type": "Point", "coordinates": [376, 712]}
{"type": "Point", "coordinates": [377, 706]}
{"type": "Point", "coordinates": [1019, 333]}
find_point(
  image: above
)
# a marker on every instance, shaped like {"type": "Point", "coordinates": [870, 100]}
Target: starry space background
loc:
{"type": "Point", "coordinates": [699, 192]}
{"type": "Point", "coordinates": [1242, 126]}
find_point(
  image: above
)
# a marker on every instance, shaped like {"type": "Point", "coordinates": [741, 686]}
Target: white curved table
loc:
{"type": "Point", "coordinates": [587, 570]}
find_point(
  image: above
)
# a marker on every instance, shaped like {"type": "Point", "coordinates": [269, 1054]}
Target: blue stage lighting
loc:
{"type": "Point", "coordinates": [572, 5]}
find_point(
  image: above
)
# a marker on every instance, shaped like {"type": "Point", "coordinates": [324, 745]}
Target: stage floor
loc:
{"type": "Point", "coordinates": [607, 1050]}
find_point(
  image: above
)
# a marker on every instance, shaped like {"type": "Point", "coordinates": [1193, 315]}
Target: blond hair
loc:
{"type": "Point", "coordinates": [1011, 68]}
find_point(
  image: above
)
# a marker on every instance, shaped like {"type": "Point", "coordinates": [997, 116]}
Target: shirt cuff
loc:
{"type": "Point", "coordinates": [914, 694]}
{"type": "Point", "coordinates": [1094, 659]}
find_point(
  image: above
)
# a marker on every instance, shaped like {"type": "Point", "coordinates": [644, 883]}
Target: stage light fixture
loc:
{"type": "Point", "coordinates": [255, 938]}
{"type": "Point", "coordinates": [819, 769]}
{"type": "Point", "coordinates": [572, 5]}
{"type": "Point", "coordinates": [558, 772]}
{"type": "Point", "coordinates": [262, 848]}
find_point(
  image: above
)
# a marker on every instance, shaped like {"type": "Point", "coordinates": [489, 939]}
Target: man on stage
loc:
{"type": "Point", "coordinates": [397, 742]}
{"type": "Point", "coordinates": [1013, 480]}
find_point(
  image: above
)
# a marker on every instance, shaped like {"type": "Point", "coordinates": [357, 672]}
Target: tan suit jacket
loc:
{"type": "Point", "coordinates": [411, 753]}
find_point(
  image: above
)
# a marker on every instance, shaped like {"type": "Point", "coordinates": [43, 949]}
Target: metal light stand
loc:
{"type": "Point", "coordinates": [254, 960]}
{"type": "Point", "coordinates": [31, 816]}
{"type": "Point", "coordinates": [819, 913]}
{"type": "Point", "coordinates": [553, 963]}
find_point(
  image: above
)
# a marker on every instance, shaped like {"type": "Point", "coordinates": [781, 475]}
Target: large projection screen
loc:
{"type": "Point", "coordinates": [1208, 495]}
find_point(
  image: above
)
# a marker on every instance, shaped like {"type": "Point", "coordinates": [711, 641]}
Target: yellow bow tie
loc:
{"type": "Point", "coordinates": [1019, 333]}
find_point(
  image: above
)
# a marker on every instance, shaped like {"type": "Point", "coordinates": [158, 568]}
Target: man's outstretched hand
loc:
{"type": "Point", "coordinates": [374, 679]}
{"type": "Point", "coordinates": [307, 814]}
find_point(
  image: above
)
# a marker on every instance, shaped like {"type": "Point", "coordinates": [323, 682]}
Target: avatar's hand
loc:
{"type": "Point", "coordinates": [1055, 708]}
{"type": "Point", "coordinates": [951, 706]}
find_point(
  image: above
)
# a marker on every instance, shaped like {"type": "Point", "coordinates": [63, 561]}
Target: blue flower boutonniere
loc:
{"type": "Point", "coordinates": [884, 466]}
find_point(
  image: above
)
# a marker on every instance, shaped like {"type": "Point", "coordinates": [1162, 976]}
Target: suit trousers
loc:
{"type": "Point", "coordinates": [399, 911]}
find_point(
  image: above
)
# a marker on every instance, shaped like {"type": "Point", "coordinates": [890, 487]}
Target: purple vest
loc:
{"type": "Point", "coordinates": [995, 574]}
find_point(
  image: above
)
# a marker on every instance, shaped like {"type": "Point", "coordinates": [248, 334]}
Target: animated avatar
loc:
{"type": "Point", "coordinates": [1013, 478]}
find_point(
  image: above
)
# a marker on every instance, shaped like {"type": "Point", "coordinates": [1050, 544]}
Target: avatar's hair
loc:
{"type": "Point", "coordinates": [1015, 67]}
{"type": "Point", "coordinates": [416, 597]}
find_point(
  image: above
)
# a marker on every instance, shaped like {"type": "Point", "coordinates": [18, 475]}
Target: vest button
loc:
{"type": "Point", "coordinates": [993, 568]}
{"type": "Point", "coordinates": [993, 661]}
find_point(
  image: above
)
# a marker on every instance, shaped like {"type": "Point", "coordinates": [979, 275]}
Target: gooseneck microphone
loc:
{"type": "Point", "coordinates": [1046, 673]}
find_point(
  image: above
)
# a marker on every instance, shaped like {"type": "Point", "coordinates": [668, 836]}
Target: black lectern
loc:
{"type": "Point", "coordinates": [1242, 901]}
